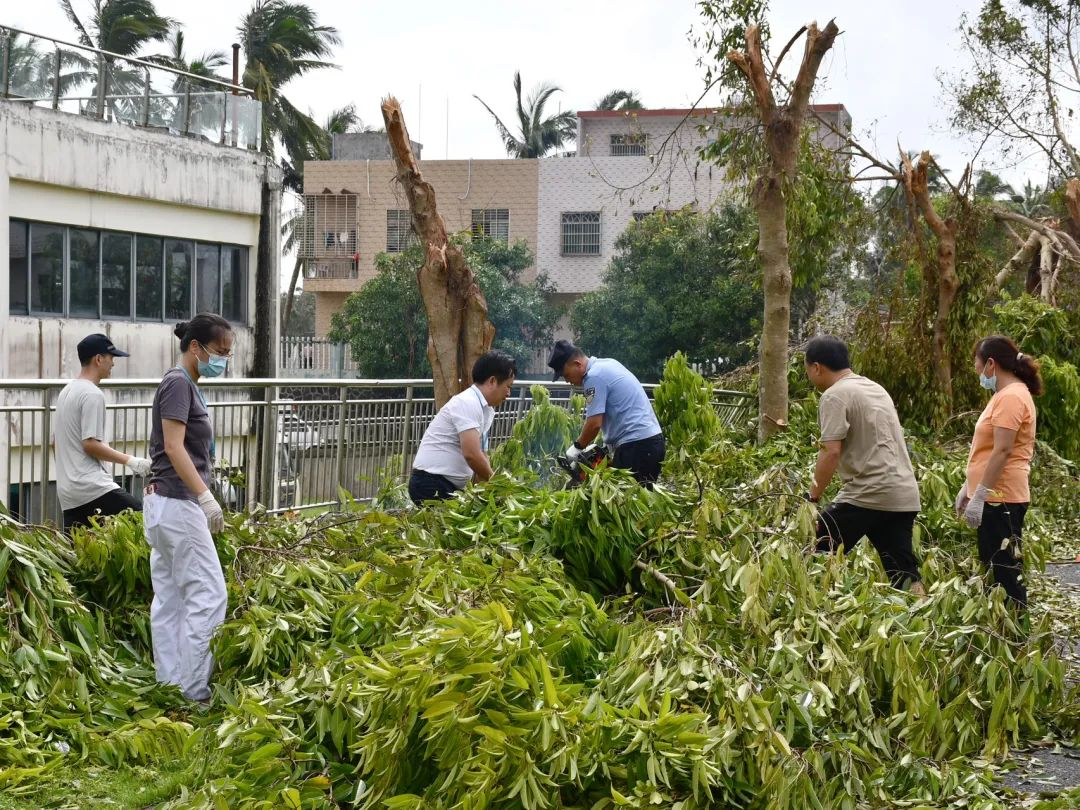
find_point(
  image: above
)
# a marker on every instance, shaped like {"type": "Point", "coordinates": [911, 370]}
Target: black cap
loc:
{"type": "Point", "coordinates": [560, 356]}
{"type": "Point", "coordinates": [93, 345]}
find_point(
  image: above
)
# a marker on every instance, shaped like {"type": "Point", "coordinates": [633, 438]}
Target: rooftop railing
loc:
{"type": "Point", "coordinates": [66, 76]}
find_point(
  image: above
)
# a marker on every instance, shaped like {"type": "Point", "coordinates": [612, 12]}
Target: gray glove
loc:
{"type": "Point", "coordinates": [961, 500]}
{"type": "Point", "coordinates": [139, 466]}
{"type": "Point", "coordinates": [973, 513]}
{"type": "Point", "coordinates": [215, 518]}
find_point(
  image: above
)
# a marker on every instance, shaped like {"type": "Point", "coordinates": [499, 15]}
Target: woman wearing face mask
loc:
{"type": "Point", "coordinates": [995, 497]}
{"type": "Point", "coordinates": [180, 512]}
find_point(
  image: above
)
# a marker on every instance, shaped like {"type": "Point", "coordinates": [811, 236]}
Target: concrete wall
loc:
{"type": "Point", "coordinates": [593, 184]}
{"type": "Point", "coordinates": [76, 171]}
{"type": "Point", "coordinates": [460, 186]}
{"type": "Point", "coordinates": [365, 146]}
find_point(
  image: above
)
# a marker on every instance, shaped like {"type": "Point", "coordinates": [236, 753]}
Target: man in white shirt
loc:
{"type": "Point", "coordinates": [453, 451]}
{"type": "Point", "coordinates": [83, 483]}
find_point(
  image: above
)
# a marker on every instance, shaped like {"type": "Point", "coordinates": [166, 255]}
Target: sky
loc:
{"type": "Point", "coordinates": [435, 55]}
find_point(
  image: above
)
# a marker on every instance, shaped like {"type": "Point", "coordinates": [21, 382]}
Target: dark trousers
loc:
{"type": "Point", "coordinates": [1003, 525]}
{"type": "Point", "coordinates": [425, 486]}
{"type": "Point", "coordinates": [111, 503]}
{"type": "Point", "coordinates": [843, 525]}
{"type": "Point", "coordinates": [643, 458]}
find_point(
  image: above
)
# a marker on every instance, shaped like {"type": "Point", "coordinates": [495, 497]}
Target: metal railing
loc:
{"type": "Point", "coordinates": [284, 443]}
{"type": "Point", "coordinates": [67, 76]}
{"type": "Point", "coordinates": [302, 356]}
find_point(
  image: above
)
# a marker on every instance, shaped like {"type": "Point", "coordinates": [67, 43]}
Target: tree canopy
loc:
{"type": "Point", "coordinates": [385, 324]}
{"type": "Point", "coordinates": [681, 281]}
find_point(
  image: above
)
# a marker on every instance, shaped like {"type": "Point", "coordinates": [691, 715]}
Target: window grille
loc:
{"type": "Point", "coordinates": [326, 227]}
{"type": "Point", "coordinates": [630, 145]}
{"type": "Point", "coordinates": [491, 223]}
{"type": "Point", "coordinates": [399, 231]}
{"type": "Point", "coordinates": [581, 233]}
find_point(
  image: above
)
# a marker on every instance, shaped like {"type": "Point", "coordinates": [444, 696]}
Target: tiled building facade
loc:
{"type": "Point", "coordinates": [570, 210]}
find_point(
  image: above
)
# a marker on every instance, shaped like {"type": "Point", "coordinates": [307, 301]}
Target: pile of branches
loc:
{"type": "Point", "coordinates": [530, 646]}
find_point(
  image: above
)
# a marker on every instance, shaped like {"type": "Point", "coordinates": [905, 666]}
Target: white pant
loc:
{"type": "Point", "coordinates": [189, 593]}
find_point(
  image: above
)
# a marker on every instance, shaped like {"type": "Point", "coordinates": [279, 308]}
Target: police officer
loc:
{"type": "Point", "coordinates": [617, 404]}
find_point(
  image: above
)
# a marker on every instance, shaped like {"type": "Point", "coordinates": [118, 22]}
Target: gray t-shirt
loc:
{"type": "Point", "coordinates": [178, 398]}
{"type": "Point", "coordinates": [80, 414]}
{"type": "Point", "coordinates": [874, 462]}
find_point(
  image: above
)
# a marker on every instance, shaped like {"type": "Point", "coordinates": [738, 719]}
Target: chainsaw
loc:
{"type": "Point", "coordinates": [591, 457]}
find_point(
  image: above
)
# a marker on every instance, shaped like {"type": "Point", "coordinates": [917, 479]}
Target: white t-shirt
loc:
{"type": "Point", "coordinates": [440, 449]}
{"type": "Point", "coordinates": [80, 414]}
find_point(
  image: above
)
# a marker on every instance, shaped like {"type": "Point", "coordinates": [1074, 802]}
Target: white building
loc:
{"type": "Point", "coordinates": [125, 222]}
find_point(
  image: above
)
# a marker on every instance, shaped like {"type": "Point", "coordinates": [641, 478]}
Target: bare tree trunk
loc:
{"type": "Point", "coordinates": [783, 128]}
{"type": "Point", "coordinates": [458, 327]}
{"type": "Point", "coordinates": [289, 298]}
{"type": "Point", "coordinates": [916, 181]}
{"type": "Point", "coordinates": [1046, 270]}
{"type": "Point", "coordinates": [1072, 200]}
{"type": "Point", "coordinates": [1021, 259]}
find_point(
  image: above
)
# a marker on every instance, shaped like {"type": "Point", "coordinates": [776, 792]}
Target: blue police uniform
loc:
{"type": "Point", "coordinates": [630, 424]}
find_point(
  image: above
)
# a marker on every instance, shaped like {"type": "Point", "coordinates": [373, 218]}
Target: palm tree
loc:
{"type": "Point", "coordinates": [537, 135]}
{"type": "Point", "coordinates": [990, 186]}
{"type": "Point", "coordinates": [122, 27]}
{"type": "Point", "coordinates": [31, 71]}
{"type": "Point", "coordinates": [1032, 201]}
{"type": "Point", "coordinates": [204, 65]}
{"type": "Point", "coordinates": [622, 100]}
{"type": "Point", "coordinates": [283, 40]}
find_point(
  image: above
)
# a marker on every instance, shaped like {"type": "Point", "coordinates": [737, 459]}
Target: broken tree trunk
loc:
{"type": "Point", "coordinates": [916, 181]}
{"type": "Point", "coordinates": [458, 327]}
{"type": "Point", "coordinates": [782, 125]}
{"type": "Point", "coordinates": [1020, 260]}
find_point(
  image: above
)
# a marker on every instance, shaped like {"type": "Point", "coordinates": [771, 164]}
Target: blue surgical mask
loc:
{"type": "Point", "coordinates": [989, 383]}
{"type": "Point", "coordinates": [214, 366]}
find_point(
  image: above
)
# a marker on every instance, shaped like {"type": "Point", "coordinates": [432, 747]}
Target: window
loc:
{"type": "Point", "coordinates": [149, 278]}
{"type": "Point", "coordinates": [640, 215]}
{"type": "Point", "coordinates": [83, 273]}
{"type": "Point", "coordinates": [87, 273]}
{"type": "Point", "coordinates": [399, 232]}
{"type": "Point", "coordinates": [491, 223]}
{"type": "Point", "coordinates": [581, 233]}
{"type": "Point", "coordinates": [18, 268]}
{"type": "Point", "coordinates": [116, 275]}
{"type": "Point", "coordinates": [208, 278]}
{"type": "Point", "coordinates": [47, 269]}
{"type": "Point", "coordinates": [233, 290]}
{"type": "Point", "coordinates": [179, 257]}
{"type": "Point", "coordinates": [629, 145]}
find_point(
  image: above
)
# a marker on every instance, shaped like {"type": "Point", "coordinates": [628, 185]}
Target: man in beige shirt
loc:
{"type": "Point", "coordinates": [862, 438]}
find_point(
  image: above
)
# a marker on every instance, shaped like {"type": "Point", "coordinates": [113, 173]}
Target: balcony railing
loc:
{"type": "Point", "coordinates": [66, 76]}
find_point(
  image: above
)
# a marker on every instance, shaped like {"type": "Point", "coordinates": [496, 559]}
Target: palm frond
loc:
{"type": "Point", "coordinates": [514, 146]}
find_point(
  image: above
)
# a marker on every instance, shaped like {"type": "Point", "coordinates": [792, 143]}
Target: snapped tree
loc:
{"type": "Point", "coordinates": [458, 327]}
{"type": "Point", "coordinates": [782, 124]}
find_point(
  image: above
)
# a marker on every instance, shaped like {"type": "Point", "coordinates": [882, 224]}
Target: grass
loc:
{"type": "Point", "coordinates": [124, 788]}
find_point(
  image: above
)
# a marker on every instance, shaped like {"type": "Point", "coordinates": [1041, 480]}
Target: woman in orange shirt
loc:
{"type": "Point", "coordinates": [995, 497]}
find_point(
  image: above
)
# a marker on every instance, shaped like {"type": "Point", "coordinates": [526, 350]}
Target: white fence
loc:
{"type": "Point", "coordinates": [284, 443]}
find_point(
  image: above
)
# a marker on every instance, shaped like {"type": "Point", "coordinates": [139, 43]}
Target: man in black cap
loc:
{"type": "Point", "coordinates": [616, 403]}
{"type": "Point", "coordinates": [83, 483]}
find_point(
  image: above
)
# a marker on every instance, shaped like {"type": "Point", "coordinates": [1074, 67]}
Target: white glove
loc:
{"type": "Point", "coordinates": [139, 466]}
{"type": "Point", "coordinates": [961, 500]}
{"type": "Point", "coordinates": [215, 518]}
{"type": "Point", "coordinates": [973, 514]}
{"type": "Point", "coordinates": [573, 455]}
